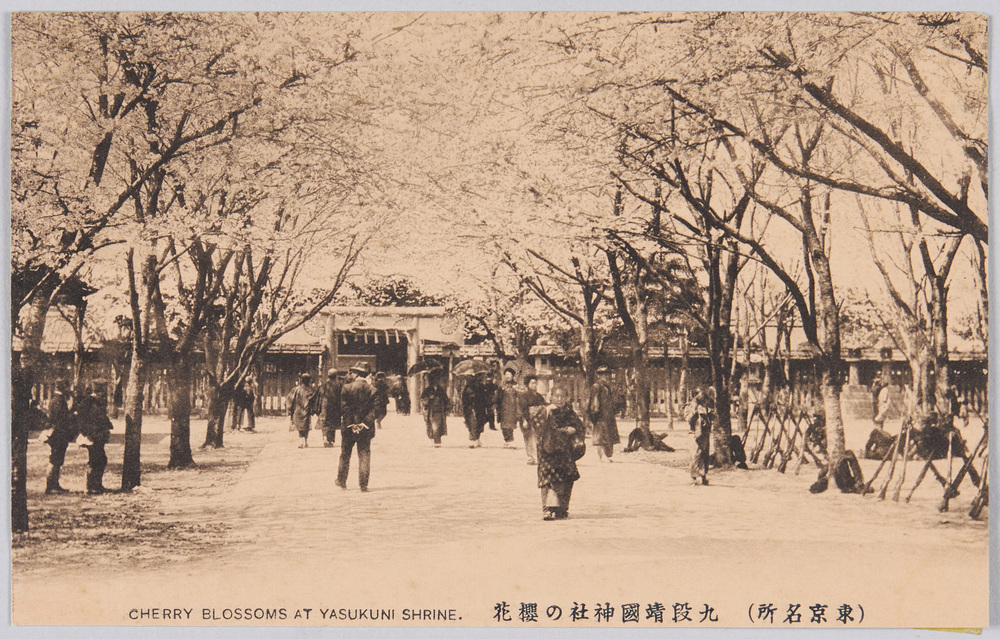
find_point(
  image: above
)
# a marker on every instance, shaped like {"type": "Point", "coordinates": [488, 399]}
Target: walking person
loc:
{"type": "Point", "coordinates": [474, 407]}
{"type": "Point", "coordinates": [532, 409]}
{"type": "Point", "coordinates": [557, 469]}
{"type": "Point", "coordinates": [92, 417]}
{"type": "Point", "coordinates": [401, 394]}
{"type": "Point", "coordinates": [434, 400]}
{"type": "Point", "coordinates": [704, 415]}
{"type": "Point", "coordinates": [300, 403]}
{"type": "Point", "coordinates": [490, 390]}
{"type": "Point", "coordinates": [244, 401]}
{"type": "Point", "coordinates": [508, 405]}
{"type": "Point", "coordinates": [64, 430]}
{"type": "Point", "coordinates": [329, 411]}
{"type": "Point", "coordinates": [601, 410]}
{"type": "Point", "coordinates": [381, 388]}
{"type": "Point", "coordinates": [358, 415]}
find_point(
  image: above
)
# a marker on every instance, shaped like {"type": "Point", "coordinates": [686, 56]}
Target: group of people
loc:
{"type": "Point", "coordinates": [551, 431]}
{"type": "Point", "coordinates": [70, 416]}
{"type": "Point", "coordinates": [353, 402]}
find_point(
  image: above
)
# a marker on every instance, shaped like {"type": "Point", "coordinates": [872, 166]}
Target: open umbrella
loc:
{"type": "Point", "coordinates": [470, 367]}
{"type": "Point", "coordinates": [423, 365]}
{"type": "Point", "coordinates": [520, 368]}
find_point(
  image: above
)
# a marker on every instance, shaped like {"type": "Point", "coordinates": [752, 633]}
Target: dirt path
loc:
{"type": "Point", "coordinates": [461, 529]}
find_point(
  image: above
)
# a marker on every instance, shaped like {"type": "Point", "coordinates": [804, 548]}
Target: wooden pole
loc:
{"type": "Point", "coordinates": [920, 478]}
{"type": "Point", "coordinates": [902, 473]}
{"type": "Point", "coordinates": [952, 489]}
{"type": "Point", "coordinates": [868, 486]}
{"type": "Point", "coordinates": [892, 464]}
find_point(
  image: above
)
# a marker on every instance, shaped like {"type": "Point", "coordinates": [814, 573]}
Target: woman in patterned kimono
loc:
{"type": "Point", "coordinates": [556, 469]}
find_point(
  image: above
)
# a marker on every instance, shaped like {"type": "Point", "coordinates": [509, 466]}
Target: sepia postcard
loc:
{"type": "Point", "coordinates": [616, 320]}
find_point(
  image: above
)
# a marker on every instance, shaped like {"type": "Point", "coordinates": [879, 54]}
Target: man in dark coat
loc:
{"type": "Point", "coordinates": [94, 424]}
{"type": "Point", "coordinates": [329, 413]}
{"type": "Point", "coordinates": [358, 414]}
{"type": "Point", "coordinates": [64, 431]}
{"type": "Point", "coordinates": [601, 410]}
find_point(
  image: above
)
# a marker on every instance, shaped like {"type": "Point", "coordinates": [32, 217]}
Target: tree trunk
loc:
{"type": "Point", "coordinates": [218, 405]}
{"type": "Point", "coordinates": [722, 429]}
{"type": "Point", "coordinates": [588, 350]}
{"type": "Point", "coordinates": [134, 388]}
{"type": "Point", "coordinates": [830, 387]}
{"type": "Point", "coordinates": [179, 409]}
{"type": "Point", "coordinates": [21, 383]}
{"type": "Point", "coordinates": [830, 363]}
{"type": "Point", "coordinates": [682, 383]}
{"type": "Point", "coordinates": [640, 363]}
{"type": "Point", "coordinates": [942, 360]}
{"type": "Point", "coordinates": [23, 372]}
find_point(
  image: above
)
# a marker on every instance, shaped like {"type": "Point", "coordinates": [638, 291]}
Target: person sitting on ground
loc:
{"type": "Point", "coordinates": [656, 441]}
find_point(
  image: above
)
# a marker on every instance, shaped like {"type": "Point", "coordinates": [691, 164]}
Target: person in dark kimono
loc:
{"type": "Point", "coordinates": [381, 389]}
{"type": "Point", "coordinates": [243, 404]}
{"type": "Point", "coordinates": [556, 469]}
{"type": "Point", "coordinates": [329, 412]}
{"type": "Point", "coordinates": [601, 410]}
{"type": "Point", "coordinates": [64, 430]}
{"type": "Point", "coordinates": [358, 408]}
{"type": "Point", "coordinates": [490, 390]}
{"type": "Point", "coordinates": [508, 403]}
{"type": "Point", "coordinates": [704, 415]}
{"type": "Point", "coordinates": [401, 394]}
{"type": "Point", "coordinates": [474, 408]}
{"type": "Point", "coordinates": [299, 401]}
{"type": "Point", "coordinates": [435, 403]}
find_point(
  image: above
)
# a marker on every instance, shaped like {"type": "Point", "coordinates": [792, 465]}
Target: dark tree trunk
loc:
{"type": "Point", "coordinates": [218, 400]}
{"type": "Point", "coordinates": [21, 383]}
{"type": "Point", "coordinates": [179, 409]}
{"type": "Point", "coordinates": [23, 372]}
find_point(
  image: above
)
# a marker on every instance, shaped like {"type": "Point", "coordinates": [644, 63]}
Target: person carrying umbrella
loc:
{"type": "Point", "coordinates": [436, 405]}
{"type": "Point", "coordinates": [475, 404]}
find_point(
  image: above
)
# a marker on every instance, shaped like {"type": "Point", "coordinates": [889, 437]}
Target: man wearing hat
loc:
{"type": "Point", "coordinates": [64, 430]}
{"type": "Point", "coordinates": [329, 412]}
{"type": "Point", "coordinates": [94, 424]}
{"type": "Point", "coordinates": [601, 411]}
{"type": "Point", "coordinates": [299, 401]}
{"type": "Point", "coordinates": [358, 414]}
